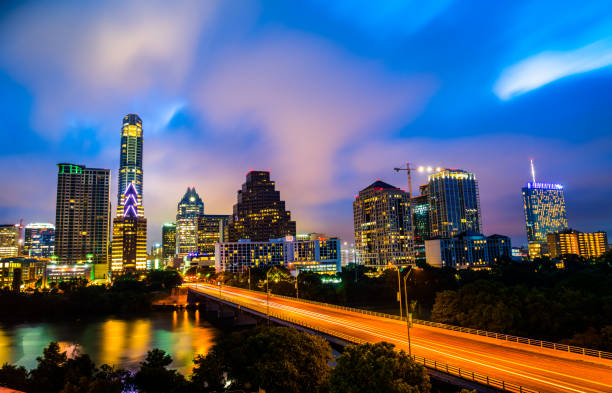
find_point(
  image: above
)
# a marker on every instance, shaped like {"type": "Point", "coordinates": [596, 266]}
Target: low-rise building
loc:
{"type": "Point", "coordinates": [468, 249]}
{"type": "Point", "coordinates": [570, 241]}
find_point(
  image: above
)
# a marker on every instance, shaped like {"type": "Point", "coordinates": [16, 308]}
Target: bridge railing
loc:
{"type": "Point", "coordinates": [499, 336]}
{"type": "Point", "coordinates": [429, 363]}
{"type": "Point", "coordinates": [478, 332]}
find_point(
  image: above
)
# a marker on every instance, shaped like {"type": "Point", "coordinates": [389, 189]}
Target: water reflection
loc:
{"type": "Point", "coordinates": [121, 342]}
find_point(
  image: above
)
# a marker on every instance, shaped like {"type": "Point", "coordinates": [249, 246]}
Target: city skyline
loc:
{"type": "Point", "coordinates": [217, 100]}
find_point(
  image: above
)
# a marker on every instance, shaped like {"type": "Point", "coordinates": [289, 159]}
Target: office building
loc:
{"type": "Point", "coordinates": [468, 249]}
{"type": "Point", "coordinates": [189, 208]}
{"type": "Point", "coordinates": [588, 245]}
{"type": "Point", "coordinates": [39, 240]}
{"type": "Point", "coordinates": [212, 229]}
{"type": "Point", "coordinates": [259, 214]}
{"type": "Point", "coordinates": [130, 161]}
{"type": "Point", "coordinates": [168, 242]}
{"type": "Point", "coordinates": [454, 203]}
{"type": "Point", "coordinates": [420, 221]}
{"type": "Point", "coordinates": [9, 240]}
{"type": "Point", "coordinates": [317, 254]}
{"type": "Point", "coordinates": [383, 226]}
{"type": "Point", "coordinates": [82, 214]}
{"type": "Point", "coordinates": [129, 246]}
{"type": "Point", "coordinates": [544, 206]}
{"type": "Point", "coordinates": [17, 271]}
{"type": "Point", "coordinates": [349, 255]}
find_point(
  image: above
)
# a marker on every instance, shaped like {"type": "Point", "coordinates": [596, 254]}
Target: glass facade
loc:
{"type": "Point", "coordinates": [259, 214]}
{"type": "Point", "coordinates": [168, 241]}
{"type": "Point", "coordinates": [544, 206]}
{"type": "Point", "coordinates": [469, 249]}
{"type": "Point", "coordinates": [189, 208]}
{"type": "Point", "coordinates": [39, 240]}
{"type": "Point", "coordinates": [587, 245]}
{"type": "Point", "coordinates": [82, 214]}
{"type": "Point", "coordinates": [383, 226]}
{"type": "Point", "coordinates": [454, 203]}
{"type": "Point", "coordinates": [9, 240]}
{"type": "Point", "coordinates": [130, 160]}
{"type": "Point", "coordinates": [129, 246]}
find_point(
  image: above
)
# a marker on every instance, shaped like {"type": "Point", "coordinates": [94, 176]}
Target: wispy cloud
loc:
{"type": "Point", "coordinates": [547, 67]}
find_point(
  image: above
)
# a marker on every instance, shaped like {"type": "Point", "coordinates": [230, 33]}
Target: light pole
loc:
{"type": "Point", "coordinates": [268, 295]}
{"type": "Point", "coordinates": [249, 269]}
{"type": "Point", "coordinates": [408, 314]}
{"type": "Point", "coordinates": [399, 288]}
{"type": "Point", "coordinates": [297, 289]}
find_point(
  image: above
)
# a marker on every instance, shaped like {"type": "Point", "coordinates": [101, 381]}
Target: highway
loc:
{"type": "Point", "coordinates": [539, 369]}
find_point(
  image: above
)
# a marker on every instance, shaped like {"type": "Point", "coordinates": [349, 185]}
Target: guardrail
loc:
{"type": "Point", "coordinates": [478, 332]}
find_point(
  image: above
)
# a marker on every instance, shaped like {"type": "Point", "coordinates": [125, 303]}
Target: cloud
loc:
{"type": "Point", "coordinates": [547, 67]}
{"type": "Point", "coordinates": [80, 58]}
{"type": "Point", "coordinates": [307, 101]}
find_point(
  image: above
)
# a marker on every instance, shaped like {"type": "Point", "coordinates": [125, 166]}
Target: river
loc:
{"type": "Point", "coordinates": [123, 342]}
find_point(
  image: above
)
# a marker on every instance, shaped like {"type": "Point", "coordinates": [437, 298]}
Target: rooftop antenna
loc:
{"type": "Point", "coordinates": [532, 171]}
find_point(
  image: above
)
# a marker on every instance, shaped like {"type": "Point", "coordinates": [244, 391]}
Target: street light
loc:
{"type": "Point", "coordinates": [249, 269]}
{"type": "Point", "coordinates": [268, 295]}
{"type": "Point", "coordinates": [408, 314]}
{"type": "Point", "coordinates": [399, 288]}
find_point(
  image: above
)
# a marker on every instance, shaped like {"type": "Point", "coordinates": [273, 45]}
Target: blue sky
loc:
{"type": "Point", "coordinates": [328, 96]}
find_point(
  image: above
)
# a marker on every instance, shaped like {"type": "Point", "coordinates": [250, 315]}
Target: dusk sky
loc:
{"type": "Point", "coordinates": [326, 95]}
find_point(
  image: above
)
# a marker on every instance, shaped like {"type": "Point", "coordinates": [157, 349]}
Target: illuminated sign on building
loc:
{"type": "Point", "coordinates": [545, 186]}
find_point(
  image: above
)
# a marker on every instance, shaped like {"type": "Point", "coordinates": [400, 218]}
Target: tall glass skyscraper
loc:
{"type": "Point", "coordinates": [383, 226]}
{"type": "Point", "coordinates": [189, 208]}
{"type": "Point", "coordinates": [130, 161]}
{"type": "Point", "coordinates": [544, 205]}
{"type": "Point", "coordinates": [129, 246]}
{"type": "Point", "coordinates": [260, 214]}
{"type": "Point", "coordinates": [454, 203]}
{"type": "Point", "coordinates": [168, 241]}
{"type": "Point", "coordinates": [82, 214]}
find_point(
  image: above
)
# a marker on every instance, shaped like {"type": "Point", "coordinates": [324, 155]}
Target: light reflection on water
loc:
{"type": "Point", "coordinates": [117, 341]}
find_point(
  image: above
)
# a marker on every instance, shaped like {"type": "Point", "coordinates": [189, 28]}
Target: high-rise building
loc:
{"type": "Point", "coordinates": [468, 249]}
{"type": "Point", "coordinates": [9, 240]}
{"type": "Point", "coordinates": [569, 241]}
{"type": "Point", "coordinates": [130, 161]}
{"type": "Point", "coordinates": [212, 228]}
{"type": "Point", "coordinates": [168, 241]}
{"type": "Point", "coordinates": [259, 214]}
{"type": "Point", "coordinates": [383, 226]}
{"type": "Point", "coordinates": [39, 240]}
{"type": "Point", "coordinates": [420, 221]}
{"type": "Point", "coordinates": [129, 245]}
{"type": "Point", "coordinates": [189, 208]}
{"type": "Point", "coordinates": [82, 214]}
{"type": "Point", "coordinates": [454, 203]}
{"type": "Point", "coordinates": [544, 205]}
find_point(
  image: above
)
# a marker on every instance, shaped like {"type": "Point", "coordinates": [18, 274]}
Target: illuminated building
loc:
{"type": "Point", "coordinates": [168, 241]}
{"type": "Point", "coordinates": [39, 240]}
{"type": "Point", "coordinates": [21, 270]}
{"type": "Point", "coordinates": [82, 214]}
{"type": "Point", "coordinates": [129, 247]}
{"type": "Point", "coordinates": [189, 208]}
{"type": "Point", "coordinates": [544, 205]}
{"type": "Point", "coordinates": [211, 229]}
{"type": "Point", "coordinates": [569, 241]}
{"type": "Point", "coordinates": [56, 273]}
{"type": "Point", "coordinates": [420, 220]}
{"type": "Point", "coordinates": [454, 203]}
{"type": "Point", "coordinates": [383, 226]}
{"type": "Point", "coordinates": [259, 214]}
{"type": "Point", "coordinates": [155, 258]}
{"type": "Point", "coordinates": [468, 249]}
{"type": "Point", "coordinates": [9, 240]}
{"type": "Point", "coordinates": [317, 254]}
{"type": "Point", "coordinates": [130, 161]}
{"type": "Point", "coordinates": [348, 253]}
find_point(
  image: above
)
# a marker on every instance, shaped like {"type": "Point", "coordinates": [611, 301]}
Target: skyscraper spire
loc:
{"type": "Point", "coordinates": [130, 162]}
{"type": "Point", "coordinates": [532, 171]}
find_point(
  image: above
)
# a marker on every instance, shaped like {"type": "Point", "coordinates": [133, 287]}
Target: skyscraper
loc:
{"type": "Point", "coordinates": [82, 214]}
{"type": "Point", "coordinates": [189, 208]}
{"type": "Point", "coordinates": [9, 240]}
{"type": "Point", "coordinates": [259, 214]}
{"type": "Point", "coordinates": [544, 205]}
{"type": "Point", "coordinates": [39, 240]}
{"type": "Point", "coordinates": [130, 161]}
{"type": "Point", "coordinates": [383, 226]}
{"type": "Point", "coordinates": [168, 241]}
{"type": "Point", "coordinates": [212, 228]}
{"type": "Point", "coordinates": [454, 203]}
{"type": "Point", "coordinates": [129, 235]}
{"type": "Point", "coordinates": [420, 220]}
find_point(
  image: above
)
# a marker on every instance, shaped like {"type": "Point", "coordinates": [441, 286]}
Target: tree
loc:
{"type": "Point", "coordinates": [274, 359]}
{"type": "Point", "coordinates": [154, 376]}
{"type": "Point", "coordinates": [49, 374]}
{"type": "Point", "coordinates": [377, 368]}
{"type": "Point", "coordinates": [14, 377]}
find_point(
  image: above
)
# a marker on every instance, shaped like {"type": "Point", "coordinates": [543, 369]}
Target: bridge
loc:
{"type": "Point", "coordinates": [499, 361]}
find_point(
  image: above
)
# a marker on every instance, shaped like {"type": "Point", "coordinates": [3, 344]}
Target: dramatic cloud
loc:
{"type": "Point", "coordinates": [547, 67]}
